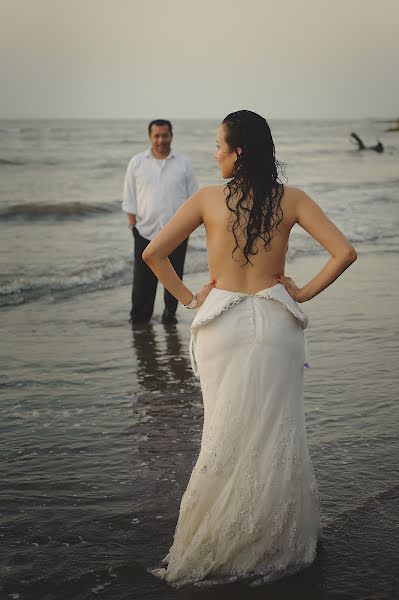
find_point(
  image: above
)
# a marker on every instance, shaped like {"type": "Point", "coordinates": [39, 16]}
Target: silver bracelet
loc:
{"type": "Point", "coordinates": [193, 303]}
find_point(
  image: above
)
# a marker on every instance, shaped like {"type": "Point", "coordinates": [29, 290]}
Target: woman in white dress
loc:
{"type": "Point", "coordinates": [251, 507]}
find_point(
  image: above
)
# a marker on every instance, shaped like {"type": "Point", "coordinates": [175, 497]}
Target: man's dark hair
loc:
{"type": "Point", "coordinates": [160, 123]}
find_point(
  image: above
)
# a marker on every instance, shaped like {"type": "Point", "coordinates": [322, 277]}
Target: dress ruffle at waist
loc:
{"type": "Point", "coordinates": [219, 300]}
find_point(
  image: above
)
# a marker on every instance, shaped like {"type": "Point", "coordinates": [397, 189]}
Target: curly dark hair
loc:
{"type": "Point", "coordinates": [255, 190]}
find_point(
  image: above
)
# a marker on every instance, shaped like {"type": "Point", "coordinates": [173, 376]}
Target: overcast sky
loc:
{"type": "Point", "coordinates": [199, 58]}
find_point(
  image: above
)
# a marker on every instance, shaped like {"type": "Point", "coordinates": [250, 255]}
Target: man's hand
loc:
{"type": "Point", "coordinates": [131, 218]}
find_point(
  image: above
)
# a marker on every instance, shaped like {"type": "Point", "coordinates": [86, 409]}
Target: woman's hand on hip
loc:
{"type": "Point", "coordinates": [294, 291]}
{"type": "Point", "coordinates": [204, 291]}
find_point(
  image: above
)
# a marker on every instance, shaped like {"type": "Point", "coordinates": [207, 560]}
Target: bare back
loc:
{"type": "Point", "coordinates": [208, 206]}
{"type": "Point", "coordinates": [266, 264]}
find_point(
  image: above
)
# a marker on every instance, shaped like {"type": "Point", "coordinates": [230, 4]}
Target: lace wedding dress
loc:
{"type": "Point", "coordinates": [251, 507]}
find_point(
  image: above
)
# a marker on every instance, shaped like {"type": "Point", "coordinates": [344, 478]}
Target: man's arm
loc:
{"type": "Point", "coordinates": [129, 204]}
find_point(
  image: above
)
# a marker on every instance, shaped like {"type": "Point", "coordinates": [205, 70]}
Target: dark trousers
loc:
{"type": "Point", "coordinates": [145, 282]}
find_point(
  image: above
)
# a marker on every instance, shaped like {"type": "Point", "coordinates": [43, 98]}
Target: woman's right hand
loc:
{"type": "Point", "coordinates": [204, 291]}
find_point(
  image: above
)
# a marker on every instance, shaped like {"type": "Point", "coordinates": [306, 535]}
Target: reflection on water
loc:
{"type": "Point", "coordinates": [161, 356]}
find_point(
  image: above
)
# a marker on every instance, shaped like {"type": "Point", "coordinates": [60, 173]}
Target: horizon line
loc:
{"type": "Point", "coordinates": [207, 118]}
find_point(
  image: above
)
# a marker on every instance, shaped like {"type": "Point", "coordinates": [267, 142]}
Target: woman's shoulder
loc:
{"type": "Point", "coordinates": [213, 189]}
{"type": "Point", "coordinates": [209, 192]}
{"type": "Point", "coordinates": [291, 191]}
{"type": "Point", "coordinates": [293, 196]}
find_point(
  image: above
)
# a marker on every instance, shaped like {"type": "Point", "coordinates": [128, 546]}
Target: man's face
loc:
{"type": "Point", "coordinates": [161, 139]}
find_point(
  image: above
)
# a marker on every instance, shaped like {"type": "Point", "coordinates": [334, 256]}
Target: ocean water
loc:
{"type": "Point", "coordinates": [61, 182]}
{"type": "Point", "coordinates": [100, 424]}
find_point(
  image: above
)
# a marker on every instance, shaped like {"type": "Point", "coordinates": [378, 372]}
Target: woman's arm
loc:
{"type": "Point", "coordinates": [311, 217]}
{"type": "Point", "coordinates": [186, 219]}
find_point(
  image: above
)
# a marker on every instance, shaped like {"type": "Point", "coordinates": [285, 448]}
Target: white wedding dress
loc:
{"type": "Point", "coordinates": [251, 507]}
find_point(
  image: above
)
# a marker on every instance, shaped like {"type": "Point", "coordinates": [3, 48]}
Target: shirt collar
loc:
{"type": "Point", "coordinates": [149, 154]}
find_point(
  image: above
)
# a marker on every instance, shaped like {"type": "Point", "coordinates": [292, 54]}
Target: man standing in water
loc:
{"type": "Point", "coordinates": [157, 183]}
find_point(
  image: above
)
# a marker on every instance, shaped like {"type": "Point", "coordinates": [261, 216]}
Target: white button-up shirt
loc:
{"type": "Point", "coordinates": [155, 189]}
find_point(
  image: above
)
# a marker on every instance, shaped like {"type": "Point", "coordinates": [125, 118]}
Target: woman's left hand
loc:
{"type": "Point", "coordinates": [294, 291]}
{"type": "Point", "coordinates": [204, 291]}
